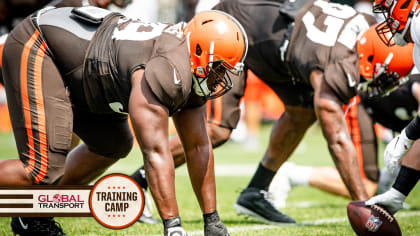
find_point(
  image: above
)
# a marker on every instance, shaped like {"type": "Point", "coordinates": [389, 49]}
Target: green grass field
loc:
{"type": "Point", "coordinates": [318, 213]}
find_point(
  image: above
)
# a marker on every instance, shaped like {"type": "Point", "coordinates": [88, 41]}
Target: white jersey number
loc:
{"type": "Point", "coordinates": [334, 21]}
{"type": "Point", "coordinates": [132, 32]}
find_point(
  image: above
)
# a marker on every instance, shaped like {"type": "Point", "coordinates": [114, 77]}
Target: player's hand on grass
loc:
{"type": "Point", "coordinates": [392, 200]}
{"type": "Point", "coordinates": [395, 150]}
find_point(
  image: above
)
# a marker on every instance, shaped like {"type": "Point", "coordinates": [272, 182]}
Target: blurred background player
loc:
{"type": "Point", "coordinates": [393, 111]}
{"type": "Point", "coordinates": [318, 88]}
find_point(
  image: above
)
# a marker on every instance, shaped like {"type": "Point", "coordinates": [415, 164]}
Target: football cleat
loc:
{"type": "Point", "coordinates": [256, 203]}
{"type": "Point", "coordinates": [175, 231]}
{"type": "Point", "coordinates": [40, 226]}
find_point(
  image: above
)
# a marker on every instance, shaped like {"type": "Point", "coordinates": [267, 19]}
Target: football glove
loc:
{"type": "Point", "coordinates": [395, 150]}
{"type": "Point", "coordinates": [392, 200]}
{"type": "Point", "coordinates": [175, 231]}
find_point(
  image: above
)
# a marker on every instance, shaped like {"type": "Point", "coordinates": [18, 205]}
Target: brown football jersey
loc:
{"type": "Point", "coordinates": [102, 59]}
{"type": "Point", "coordinates": [324, 37]}
{"type": "Point", "coordinates": [265, 28]}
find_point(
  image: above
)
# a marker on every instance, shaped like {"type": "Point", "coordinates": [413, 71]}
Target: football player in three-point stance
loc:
{"type": "Point", "coordinates": [381, 69]}
{"type": "Point", "coordinates": [118, 67]}
{"type": "Point", "coordinates": [313, 72]}
{"type": "Point", "coordinates": [402, 25]}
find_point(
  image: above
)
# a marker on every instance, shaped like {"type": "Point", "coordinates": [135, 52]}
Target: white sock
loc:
{"type": "Point", "coordinates": [299, 175]}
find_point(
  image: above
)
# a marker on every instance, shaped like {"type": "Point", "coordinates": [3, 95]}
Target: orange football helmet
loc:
{"type": "Point", "coordinates": [381, 66]}
{"type": "Point", "coordinates": [398, 15]}
{"type": "Point", "coordinates": [218, 45]}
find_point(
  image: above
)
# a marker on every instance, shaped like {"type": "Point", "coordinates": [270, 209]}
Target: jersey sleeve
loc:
{"type": "Point", "coordinates": [166, 84]}
{"type": "Point", "coordinates": [343, 77]}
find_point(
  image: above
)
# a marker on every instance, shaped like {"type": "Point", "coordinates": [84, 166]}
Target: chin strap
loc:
{"type": "Point", "coordinates": [200, 88]}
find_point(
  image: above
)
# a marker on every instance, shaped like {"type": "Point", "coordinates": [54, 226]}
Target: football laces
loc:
{"type": "Point", "coordinates": [384, 212]}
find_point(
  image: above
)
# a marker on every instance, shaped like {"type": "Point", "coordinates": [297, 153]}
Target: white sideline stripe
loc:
{"type": "Point", "coordinates": [304, 223]}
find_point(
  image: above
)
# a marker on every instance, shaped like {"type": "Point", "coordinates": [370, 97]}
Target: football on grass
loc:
{"type": "Point", "coordinates": [371, 220]}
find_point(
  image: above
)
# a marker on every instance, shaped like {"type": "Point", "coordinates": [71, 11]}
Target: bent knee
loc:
{"type": "Point", "coordinates": [119, 149]}
{"type": "Point", "coordinates": [48, 172]}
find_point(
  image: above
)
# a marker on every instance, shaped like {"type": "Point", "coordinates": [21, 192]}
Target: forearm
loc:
{"type": "Point", "coordinates": [341, 148]}
{"type": "Point", "coordinates": [160, 175]}
{"type": "Point", "coordinates": [191, 127]}
{"type": "Point", "coordinates": [345, 160]}
{"type": "Point", "coordinates": [200, 163]}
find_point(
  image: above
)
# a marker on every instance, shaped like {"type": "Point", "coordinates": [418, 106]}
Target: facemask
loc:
{"type": "Point", "coordinates": [201, 89]}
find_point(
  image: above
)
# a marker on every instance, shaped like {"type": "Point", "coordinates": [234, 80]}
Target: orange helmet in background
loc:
{"type": "Point", "coordinates": [217, 44]}
{"type": "Point", "coordinates": [382, 66]}
{"type": "Point", "coordinates": [398, 15]}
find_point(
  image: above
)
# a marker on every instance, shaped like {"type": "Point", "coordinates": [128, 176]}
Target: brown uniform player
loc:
{"type": "Point", "coordinates": [13, 11]}
{"type": "Point", "coordinates": [381, 67]}
{"type": "Point", "coordinates": [86, 70]}
{"type": "Point", "coordinates": [313, 68]}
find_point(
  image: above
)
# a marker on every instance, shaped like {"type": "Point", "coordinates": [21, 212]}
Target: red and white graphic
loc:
{"type": "Point", "coordinates": [116, 201]}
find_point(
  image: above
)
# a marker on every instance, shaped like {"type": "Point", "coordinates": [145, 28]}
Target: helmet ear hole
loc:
{"type": "Point", "coordinates": [198, 50]}
{"type": "Point", "coordinates": [205, 22]}
{"type": "Point", "coordinates": [370, 59]}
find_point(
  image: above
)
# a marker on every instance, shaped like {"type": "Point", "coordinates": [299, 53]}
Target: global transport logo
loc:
{"type": "Point", "coordinates": [52, 201]}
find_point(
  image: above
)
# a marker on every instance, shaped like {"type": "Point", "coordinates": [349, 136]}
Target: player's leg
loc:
{"type": "Point", "coordinates": [41, 116]}
{"type": "Point", "coordinates": [327, 178]}
{"type": "Point", "coordinates": [286, 134]}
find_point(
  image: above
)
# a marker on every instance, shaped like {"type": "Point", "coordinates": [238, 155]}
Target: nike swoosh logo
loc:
{"type": "Point", "coordinates": [176, 222]}
{"type": "Point", "coordinates": [176, 81]}
{"type": "Point", "coordinates": [352, 82]}
{"type": "Point", "coordinates": [25, 227]}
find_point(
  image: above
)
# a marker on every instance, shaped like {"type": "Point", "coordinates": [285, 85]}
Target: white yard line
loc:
{"type": "Point", "coordinates": [314, 222]}
{"type": "Point", "coordinates": [262, 227]}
